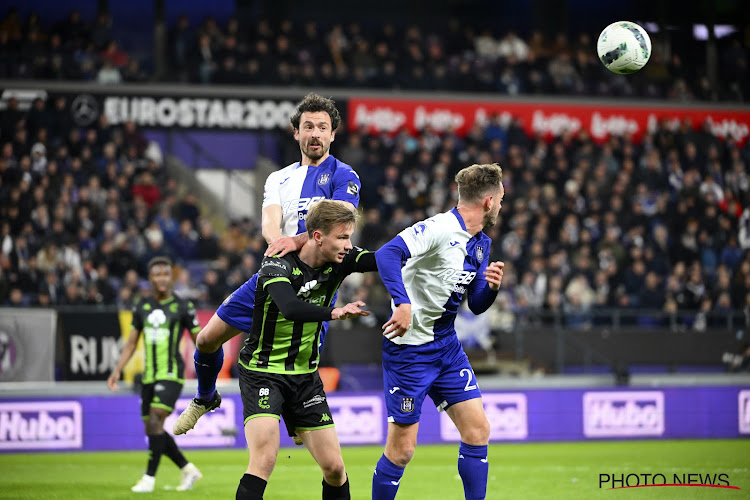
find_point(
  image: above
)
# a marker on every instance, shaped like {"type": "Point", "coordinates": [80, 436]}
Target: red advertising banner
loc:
{"type": "Point", "coordinates": [545, 119]}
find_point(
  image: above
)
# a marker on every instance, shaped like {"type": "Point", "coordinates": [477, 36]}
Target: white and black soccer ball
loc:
{"type": "Point", "coordinates": [624, 47]}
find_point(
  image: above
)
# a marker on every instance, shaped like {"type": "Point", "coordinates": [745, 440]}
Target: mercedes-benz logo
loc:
{"type": "Point", "coordinates": [85, 110]}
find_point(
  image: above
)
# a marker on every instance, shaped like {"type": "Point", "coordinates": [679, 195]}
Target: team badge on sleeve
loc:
{"type": "Point", "coordinates": [323, 179]}
{"type": "Point", "coordinates": [480, 254]}
{"type": "Point", "coordinates": [407, 405]}
{"type": "Point", "coordinates": [353, 189]}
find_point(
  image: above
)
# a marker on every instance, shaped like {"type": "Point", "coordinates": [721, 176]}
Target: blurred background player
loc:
{"type": "Point", "coordinates": [161, 319]}
{"type": "Point", "coordinates": [427, 269]}
{"type": "Point", "coordinates": [282, 307]}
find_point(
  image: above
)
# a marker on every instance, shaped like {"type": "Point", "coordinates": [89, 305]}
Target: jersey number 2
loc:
{"type": "Point", "coordinates": [468, 373]}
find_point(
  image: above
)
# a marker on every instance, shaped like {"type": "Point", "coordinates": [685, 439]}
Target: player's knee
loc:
{"type": "Point", "coordinates": [334, 471]}
{"type": "Point", "coordinates": [402, 453]}
{"type": "Point", "coordinates": [204, 342]}
{"type": "Point", "coordinates": [154, 426]}
{"type": "Point", "coordinates": [477, 434]}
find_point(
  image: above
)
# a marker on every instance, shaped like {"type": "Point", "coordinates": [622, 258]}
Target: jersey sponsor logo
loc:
{"type": "Point", "coordinates": [154, 332]}
{"type": "Point", "coordinates": [457, 276]}
{"type": "Point", "coordinates": [226, 301]}
{"type": "Point", "coordinates": [323, 179]}
{"type": "Point", "coordinates": [454, 243]}
{"type": "Point", "coordinates": [32, 425]}
{"type": "Point", "coordinates": [394, 390]}
{"type": "Point", "coordinates": [296, 272]}
{"type": "Point", "coordinates": [623, 414]}
{"type": "Point", "coordinates": [419, 229]}
{"type": "Point", "coordinates": [272, 263]}
{"type": "Point", "coordinates": [325, 418]}
{"type": "Point", "coordinates": [480, 253]}
{"type": "Point", "coordinates": [407, 405]}
{"type": "Point", "coordinates": [300, 204]}
{"type": "Point", "coordinates": [327, 271]}
{"type": "Point", "coordinates": [315, 400]}
{"type": "Point", "coordinates": [306, 289]}
{"type": "Point", "coordinates": [352, 189]}
{"type": "Point", "coordinates": [284, 181]}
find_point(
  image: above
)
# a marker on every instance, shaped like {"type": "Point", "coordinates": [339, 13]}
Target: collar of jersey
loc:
{"type": "Point", "coordinates": [299, 164]}
{"type": "Point", "coordinates": [166, 301]}
{"type": "Point", "coordinates": [455, 212]}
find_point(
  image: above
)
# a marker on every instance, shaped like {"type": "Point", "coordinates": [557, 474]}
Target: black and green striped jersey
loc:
{"type": "Point", "coordinates": [276, 344]}
{"type": "Point", "coordinates": [162, 323]}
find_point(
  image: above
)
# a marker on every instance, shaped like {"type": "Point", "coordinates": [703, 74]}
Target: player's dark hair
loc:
{"type": "Point", "coordinates": [313, 103]}
{"type": "Point", "coordinates": [159, 261]}
{"type": "Point", "coordinates": [325, 214]}
{"type": "Point", "coordinates": [477, 181]}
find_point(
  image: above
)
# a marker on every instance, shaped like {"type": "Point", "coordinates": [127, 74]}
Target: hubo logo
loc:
{"type": "Point", "coordinates": [199, 113]}
{"type": "Point", "coordinates": [215, 428]}
{"type": "Point", "coordinates": [157, 318]}
{"type": "Point", "coordinates": [153, 331]}
{"type": "Point", "coordinates": [41, 425]}
{"type": "Point", "coordinates": [623, 414]}
{"type": "Point", "coordinates": [359, 419]}
{"type": "Point", "coordinates": [507, 413]}
{"type": "Point", "coordinates": [744, 412]}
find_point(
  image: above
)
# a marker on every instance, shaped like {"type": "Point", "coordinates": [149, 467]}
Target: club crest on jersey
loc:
{"type": "Point", "coordinates": [407, 405]}
{"type": "Point", "coordinates": [323, 179]}
{"type": "Point", "coordinates": [480, 254]}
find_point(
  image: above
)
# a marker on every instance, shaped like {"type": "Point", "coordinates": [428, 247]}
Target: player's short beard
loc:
{"type": "Point", "coordinates": [313, 155]}
{"type": "Point", "coordinates": [490, 219]}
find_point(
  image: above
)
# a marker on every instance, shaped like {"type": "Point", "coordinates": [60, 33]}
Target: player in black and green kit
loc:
{"type": "Point", "coordinates": [161, 319]}
{"type": "Point", "coordinates": [282, 308]}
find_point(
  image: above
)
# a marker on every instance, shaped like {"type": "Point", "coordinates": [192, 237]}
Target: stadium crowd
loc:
{"type": "Point", "coordinates": [660, 226]}
{"type": "Point", "coordinates": [455, 57]}
{"type": "Point", "coordinates": [663, 225]}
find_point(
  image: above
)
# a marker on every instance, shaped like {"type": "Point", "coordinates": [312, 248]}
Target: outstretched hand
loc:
{"type": "Point", "coordinates": [351, 310]}
{"type": "Point", "coordinates": [494, 274]}
{"type": "Point", "coordinates": [399, 322]}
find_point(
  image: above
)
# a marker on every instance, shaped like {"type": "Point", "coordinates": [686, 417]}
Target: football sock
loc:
{"type": "Point", "coordinates": [336, 492]}
{"type": "Point", "coordinates": [156, 447]}
{"type": "Point", "coordinates": [386, 479]}
{"type": "Point", "coordinates": [473, 469]}
{"type": "Point", "coordinates": [251, 488]}
{"type": "Point", "coordinates": [173, 452]}
{"type": "Point", "coordinates": [207, 368]}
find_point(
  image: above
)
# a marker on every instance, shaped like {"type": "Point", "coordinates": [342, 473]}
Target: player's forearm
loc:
{"type": "Point", "coordinates": [127, 353]}
{"type": "Point", "coordinates": [481, 297]}
{"type": "Point", "coordinates": [295, 309]}
{"type": "Point", "coordinates": [270, 225]}
{"type": "Point", "coordinates": [390, 259]}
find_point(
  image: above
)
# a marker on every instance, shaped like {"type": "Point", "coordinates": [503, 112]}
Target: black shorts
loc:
{"type": "Point", "coordinates": [161, 394]}
{"type": "Point", "coordinates": [300, 399]}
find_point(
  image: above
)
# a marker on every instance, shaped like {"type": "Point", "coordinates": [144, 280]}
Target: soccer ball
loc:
{"type": "Point", "coordinates": [624, 47]}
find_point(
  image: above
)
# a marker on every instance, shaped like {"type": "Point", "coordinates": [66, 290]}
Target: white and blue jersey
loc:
{"type": "Point", "coordinates": [296, 187]}
{"type": "Point", "coordinates": [432, 265]}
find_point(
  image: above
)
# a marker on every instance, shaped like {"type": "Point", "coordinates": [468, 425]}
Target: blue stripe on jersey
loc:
{"type": "Point", "coordinates": [472, 263]}
{"type": "Point", "coordinates": [312, 187]}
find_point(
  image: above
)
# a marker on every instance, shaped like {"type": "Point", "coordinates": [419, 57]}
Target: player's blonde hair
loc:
{"type": "Point", "coordinates": [325, 214]}
{"type": "Point", "coordinates": [477, 181]}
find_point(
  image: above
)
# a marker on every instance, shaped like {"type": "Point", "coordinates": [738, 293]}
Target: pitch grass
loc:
{"type": "Point", "coordinates": [517, 471]}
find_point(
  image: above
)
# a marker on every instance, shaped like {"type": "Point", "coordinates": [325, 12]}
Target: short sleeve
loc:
{"type": "Point", "coordinates": [137, 322]}
{"type": "Point", "coordinates": [273, 269]}
{"type": "Point", "coordinates": [271, 194]}
{"type": "Point", "coordinates": [346, 186]}
{"type": "Point", "coordinates": [190, 319]}
{"type": "Point", "coordinates": [421, 237]}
